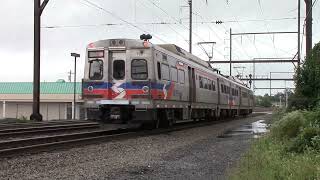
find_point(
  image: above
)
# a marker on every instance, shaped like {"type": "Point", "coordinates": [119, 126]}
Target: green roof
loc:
{"type": "Point", "coordinates": [45, 88]}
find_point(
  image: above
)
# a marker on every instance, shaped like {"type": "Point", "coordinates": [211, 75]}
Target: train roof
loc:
{"type": "Point", "coordinates": [137, 43]}
{"type": "Point", "coordinates": [181, 52]}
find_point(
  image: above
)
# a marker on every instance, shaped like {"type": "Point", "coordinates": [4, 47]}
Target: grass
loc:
{"type": "Point", "coordinates": [290, 151]}
{"type": "Point", "coordinates": [13, 120]}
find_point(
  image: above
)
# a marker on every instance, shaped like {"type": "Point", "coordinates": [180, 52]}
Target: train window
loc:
{"type": "Point", "coordinates": [139, 69]}
{"type": "Point", "coordinates": [174, 74]}
{"type": "Point", "coordinates": [244, 95]}
{"type": "Point", "coordinates": [213, 86]}
{"type": "Point", "coordinates": [181, 76]}
{"type": "Point", "coordinates": [164, 57]}
{"type": "Point", "coordinates": [200, 82]}
{"type": "Point", "coordinates": [96, 69]}
{"type": "Point", "coordinates": [159, 70]}
{"type": "Point", "coordinates": [205, 83]}
{"type": "Point", "coordinates": [222, 88]}
{"type": "Point", "coordinates": [165, 72]}
{"type": "Point", "coordinates": [209, 84]}
{"type": "Point", "coordinates": [118, 69]}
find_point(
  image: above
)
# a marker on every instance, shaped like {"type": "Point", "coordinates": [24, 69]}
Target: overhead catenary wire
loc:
{"type": "Point", "coordinates": [161, 23]}
{"type": "Point", "coordinates": [179, 34]}
{"type": "Point", "coordinates": [176, 20]}
{"type": "Point", "coordinates": [267, 26]}
{"type": "Point", "coordinates": [121, 19]}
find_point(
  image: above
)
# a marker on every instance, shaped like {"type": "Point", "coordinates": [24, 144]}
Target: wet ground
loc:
{"type": "Point", "coordinates": [255, 129]}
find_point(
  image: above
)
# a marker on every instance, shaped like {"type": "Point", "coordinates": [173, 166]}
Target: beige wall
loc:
{"type": "Point", "coordinates": [49, 110]}
{"type": "Point", "coordinates": [52, 106]}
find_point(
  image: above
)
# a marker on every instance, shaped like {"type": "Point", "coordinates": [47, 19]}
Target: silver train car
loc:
{"type": "Point", "coordinates": [136, 81]}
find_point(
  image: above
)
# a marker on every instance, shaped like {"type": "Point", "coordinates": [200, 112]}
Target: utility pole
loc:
{"type": "Point", "coordinates": [299, 40]}
{"type": "Point", "coordinates": [308, 26]}
{"type": "Point", "coordinates": [190, 25]}
{"type": "Point", "coordinates": [38, 9]}
{"type": "Point", "coordinates": [230, 50]}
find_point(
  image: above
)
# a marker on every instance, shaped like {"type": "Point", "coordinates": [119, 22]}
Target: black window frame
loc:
{"type": "Point", "coordinates": [159, 70]}
{"type": "Point", "coordinates": [101, 69]}
{"type": "Point", "coordinates": [146, 66]}
{"type": "Point", "coordinates": [113, 69]}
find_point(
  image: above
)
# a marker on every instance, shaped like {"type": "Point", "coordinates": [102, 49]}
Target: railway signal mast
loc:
{"type": "Point", "coordinates": [38, 9]}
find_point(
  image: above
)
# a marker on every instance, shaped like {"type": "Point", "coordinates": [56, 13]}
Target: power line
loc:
{"type": "Point", "coordinates": [162, 23]}
{"type": "Point", "coordinates": [164, 11]}
{"type": "Point", "coordinates": [167, 26]}
{"type": "Point", "coordinates": [116, 16]}
{"type": "Point", "coordinates": [265, 23]}
{"type": "Point", "coordinates": [236, 19]}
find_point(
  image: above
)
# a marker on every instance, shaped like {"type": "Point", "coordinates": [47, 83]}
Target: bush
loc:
{"type": "Point", "coordinates": [288, 126]}
{"type": "Point", "coordinates": [308, 139]}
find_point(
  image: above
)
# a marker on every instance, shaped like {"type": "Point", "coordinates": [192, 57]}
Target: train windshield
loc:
{"type": "Point", "coordinates": [139, 69]}
{"type": "Point", "coordinates": [96, 69]}
{"type": "Point", "coordinates": [118, 69]}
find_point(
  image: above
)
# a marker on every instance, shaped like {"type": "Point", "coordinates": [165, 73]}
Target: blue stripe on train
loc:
{"type": "Point", "coordinates": [128, 85]}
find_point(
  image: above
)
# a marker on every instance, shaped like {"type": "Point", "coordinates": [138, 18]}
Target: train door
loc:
{"type": "Point", "coordinates": [192, 88]}
{"type": "Point", "coordinates": [117, 74]}
{"type": "Point", "coordinates": [218, 89]}
{"type": "Point", "coordinates": [239, 99]}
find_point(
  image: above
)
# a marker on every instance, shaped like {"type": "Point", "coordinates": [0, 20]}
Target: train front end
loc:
{"type": "Point", "coordinates": [117, 81]}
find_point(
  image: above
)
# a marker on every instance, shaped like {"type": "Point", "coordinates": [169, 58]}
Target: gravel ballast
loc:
{"type": "Point", "coordinates": [189, 154]}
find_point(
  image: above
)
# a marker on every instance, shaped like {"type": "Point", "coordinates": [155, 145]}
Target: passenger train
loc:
{"type": "Point", "coordinates": [157, 84]}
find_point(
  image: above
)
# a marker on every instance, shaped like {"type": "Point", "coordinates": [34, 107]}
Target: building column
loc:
{"type": "Point", "coordinates": [73, 109]}
{"type": "Point", "coordinates": [4, 109]}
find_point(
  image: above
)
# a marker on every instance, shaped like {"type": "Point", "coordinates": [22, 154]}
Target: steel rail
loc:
{"type": "Point", "coordinates": [49, 129]}
{"type": "Point", "coordinates": [40, 124]}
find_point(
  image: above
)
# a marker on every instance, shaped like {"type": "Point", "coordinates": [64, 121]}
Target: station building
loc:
{"type": "Point", "coordinates": [56, 100]}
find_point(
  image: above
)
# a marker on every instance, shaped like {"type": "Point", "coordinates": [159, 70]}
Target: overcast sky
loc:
{"type": "Point", "coordinates": [77, 23]}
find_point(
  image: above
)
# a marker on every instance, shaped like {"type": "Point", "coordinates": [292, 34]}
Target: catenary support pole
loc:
{"type": "Point", "coordinates": [299, 40]}
{"type": "Point", "coordinates": [36, 64]}
{"type": "Point", "coordinates": [190, 25]}
{"type": "Point", "coordinates": [308, 26]}
{"type": "Point", "coordinates": [230, 66]}
{"type": "Point", "coordinates": [38, 9]}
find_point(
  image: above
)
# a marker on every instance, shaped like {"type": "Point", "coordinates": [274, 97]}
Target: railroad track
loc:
{"type": "Point", "coordinates": [48, 128]}
{"type": "Point", "coordinates": [36, 144]}
{"type": "Point", "coordinates": [32, 124]}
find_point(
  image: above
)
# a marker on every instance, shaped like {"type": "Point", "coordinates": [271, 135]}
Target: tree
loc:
{"type": "Point", "coordinates": [264, 101]}
{"type": "Point", "coordinates": [307, 80]}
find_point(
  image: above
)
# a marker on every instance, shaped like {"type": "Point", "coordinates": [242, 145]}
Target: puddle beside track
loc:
{"type": "Point", "coordinates": [256, 129]}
